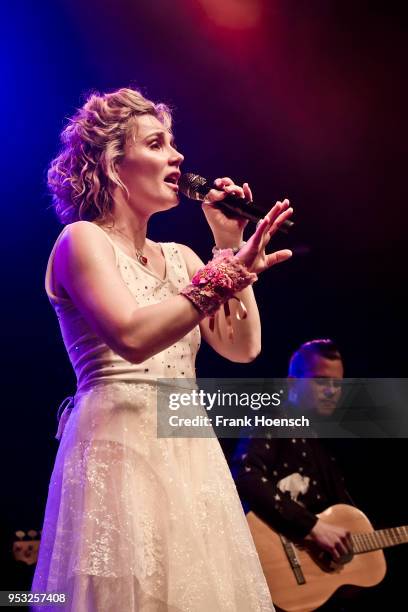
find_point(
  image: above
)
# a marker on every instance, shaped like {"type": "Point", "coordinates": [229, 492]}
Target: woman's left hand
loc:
{"type": "Point", "coordinates": [227, 232]}
{"type": "Point", "coordinates": [253, 254]}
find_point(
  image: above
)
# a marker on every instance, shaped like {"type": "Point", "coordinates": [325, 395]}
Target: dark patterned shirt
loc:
{"type": "Point", "coordinates": [286, 481]}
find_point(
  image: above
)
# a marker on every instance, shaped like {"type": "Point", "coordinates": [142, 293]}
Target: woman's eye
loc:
{"type": "Point", "coordinates": [155, 144]}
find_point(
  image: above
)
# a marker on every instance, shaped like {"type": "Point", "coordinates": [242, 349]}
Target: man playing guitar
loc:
{"type": "Point", "coordinates": [287, 481]}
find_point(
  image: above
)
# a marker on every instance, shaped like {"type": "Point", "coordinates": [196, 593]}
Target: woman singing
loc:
{"type": "Point", "coordinates": [135, 522]}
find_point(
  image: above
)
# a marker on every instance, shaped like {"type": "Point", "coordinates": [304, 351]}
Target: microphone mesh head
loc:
{"type": "Point", "coordinates": [193, 186]}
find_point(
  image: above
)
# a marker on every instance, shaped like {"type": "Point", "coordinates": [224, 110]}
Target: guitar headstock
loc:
{"type": "Point", "coordinates": [26, 545]}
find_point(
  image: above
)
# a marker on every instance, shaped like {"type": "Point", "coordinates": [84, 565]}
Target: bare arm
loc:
{"type": "Point", "coordinates": [85, 268]}
{"type": "Point", "coordinates": [247, 333]}
{"type": "Point", "coordinates": [228, 233]}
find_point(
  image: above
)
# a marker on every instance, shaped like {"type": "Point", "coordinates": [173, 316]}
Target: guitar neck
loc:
{"type": "Point", "coordinates": [381, 538]}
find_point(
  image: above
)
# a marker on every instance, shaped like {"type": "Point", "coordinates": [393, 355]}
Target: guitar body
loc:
{"type": "Point", "coordinates": [321, 580]}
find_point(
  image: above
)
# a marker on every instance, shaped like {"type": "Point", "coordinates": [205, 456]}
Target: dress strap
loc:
{"type": "Point", "coordinates": [176, 262]}
{"type": "Point", "coordinates": [112, 243]}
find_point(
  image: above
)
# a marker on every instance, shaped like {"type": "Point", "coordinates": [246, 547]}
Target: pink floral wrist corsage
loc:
{"type": "Point", "coordinates": [217, 282]}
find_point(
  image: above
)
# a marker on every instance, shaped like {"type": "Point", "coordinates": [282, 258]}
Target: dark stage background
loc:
{"type": "Point", "coordinates": [301, 99]}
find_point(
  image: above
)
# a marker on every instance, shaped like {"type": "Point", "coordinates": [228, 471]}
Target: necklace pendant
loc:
{"type": "Point", "coordinates": [142, 259]}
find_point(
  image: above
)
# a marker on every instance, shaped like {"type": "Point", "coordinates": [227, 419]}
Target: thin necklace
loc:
{"type": "Point", "coordinates": [142, 259]}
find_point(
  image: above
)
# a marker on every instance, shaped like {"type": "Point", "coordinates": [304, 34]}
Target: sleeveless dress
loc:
{"type": "Point", "coordinates": [133, 522]}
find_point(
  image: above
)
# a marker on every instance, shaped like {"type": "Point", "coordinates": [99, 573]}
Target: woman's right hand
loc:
{"type": "Point", "coordinates": [253, 253]}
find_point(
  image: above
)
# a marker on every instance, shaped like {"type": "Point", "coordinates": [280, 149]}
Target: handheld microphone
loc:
{"type": "Point", "coordinates": [197, 187]}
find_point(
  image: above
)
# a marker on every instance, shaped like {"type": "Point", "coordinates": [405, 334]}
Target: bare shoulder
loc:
{"type": "Point", "coordinates": [83, 242]}
{"type": "Point", "coordinates": [81, 231]}
{"type": "Point", "coordinates": [193, 261]}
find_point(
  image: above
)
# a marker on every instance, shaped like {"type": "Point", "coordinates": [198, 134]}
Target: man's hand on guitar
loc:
{"type": "Point", "coordinates": [335, 540]}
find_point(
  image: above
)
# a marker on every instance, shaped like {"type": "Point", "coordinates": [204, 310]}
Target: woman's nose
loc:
{"type": "Point", "coordinates": [177, 157]}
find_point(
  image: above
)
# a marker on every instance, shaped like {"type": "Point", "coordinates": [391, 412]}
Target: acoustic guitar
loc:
{"type": "Point", "coordinates": [302, 577]}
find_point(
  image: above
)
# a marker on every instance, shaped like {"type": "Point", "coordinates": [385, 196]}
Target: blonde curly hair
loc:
{"type": "Point", "coordinates": [83, 176]}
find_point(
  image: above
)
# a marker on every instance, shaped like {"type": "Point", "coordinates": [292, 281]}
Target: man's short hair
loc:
{"type": "Point", "coordinates": [323, 348]}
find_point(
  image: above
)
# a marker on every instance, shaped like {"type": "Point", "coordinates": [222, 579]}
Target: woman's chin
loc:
{"type": "Point", "coordinates": [167, 205]}
{"type": "Point", "coordinates": [173, 202]}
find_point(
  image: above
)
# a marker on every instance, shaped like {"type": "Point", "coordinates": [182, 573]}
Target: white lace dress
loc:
{"type": "Point", "coordinates": [134, 522]}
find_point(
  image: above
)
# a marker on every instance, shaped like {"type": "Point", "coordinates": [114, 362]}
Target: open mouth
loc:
{"type": "Point", "coordinates": [172, 180]}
